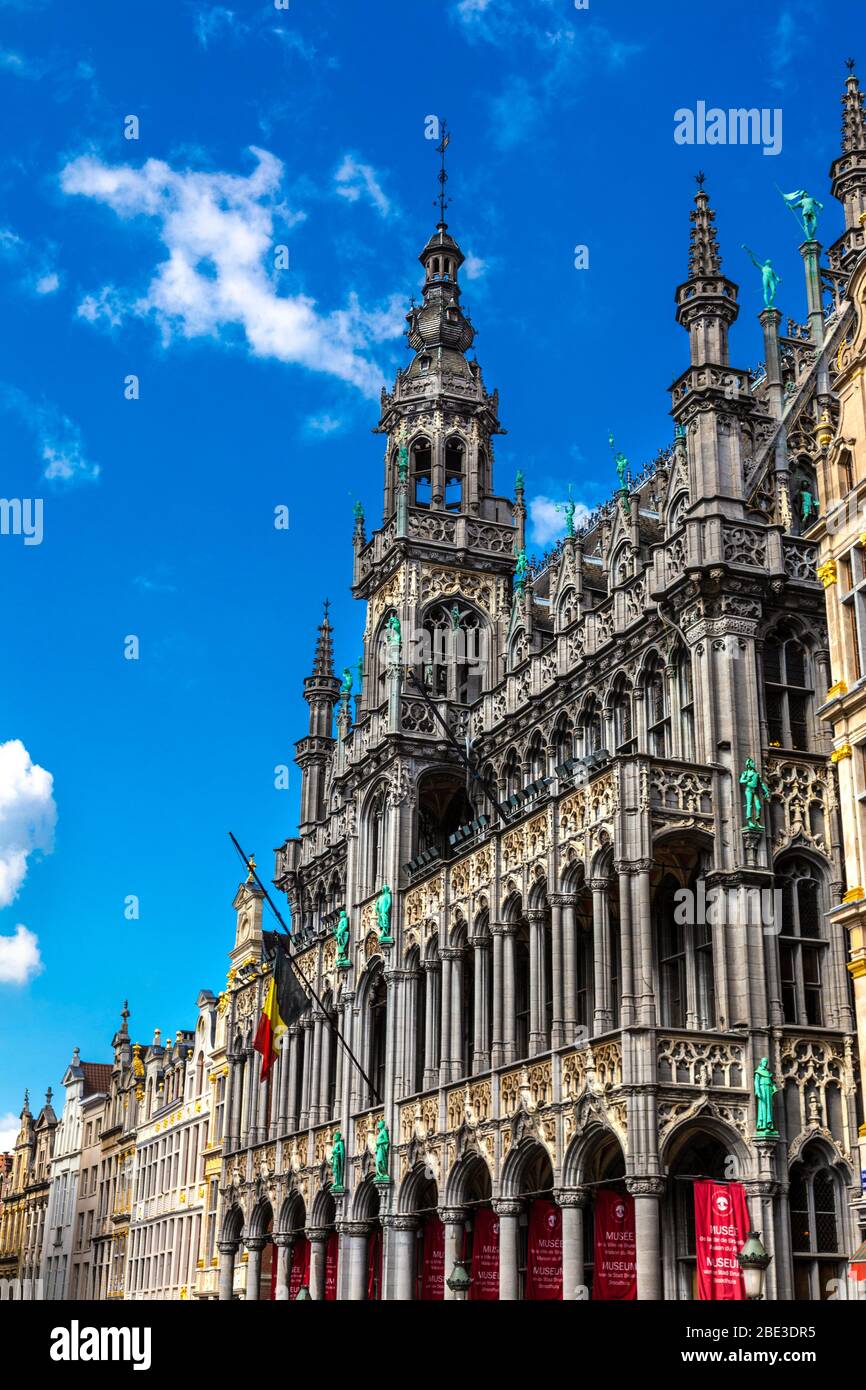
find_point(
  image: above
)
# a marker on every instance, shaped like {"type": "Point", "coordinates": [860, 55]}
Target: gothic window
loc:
{"type": "Point", "coordinates": [568, 608]}
{"type": "Point", "coordinates": [589, 728]}
{"type": "Point", "coordinates": [852, 591]}
{"type": "Point", "coordinates": [377, 1025]}
{"type": "Point", "coordinates": [816, 1229]}
{"type": "Point", "coordinates": [685, 962]}
{"type": "Point", "coordinates": [621, 707]}
{"type": "Point", "coordinates": [562, 741]}
{"type": "Point", "coordinates": [677, 512]}
{"type": "Point", "coordinates": [801, 942]}
{"type": "Point", "coordinates": [454, 456]}
{"type": "Point", "coordinates": [687, 706]}
{"type": "Point", "coordinates": [454, 653]}
{"type": "Point", "coordinates": [512, 774]}
{"type": "Point", "coordinates": [375, 828]}
{"type": "Point", "coordinates": [788, 690]}
{"type": "Point", "coordinates": [521, 989]}
{"type": "Point", "coordinates": [845, 473]}
{"type": "Point", "coordinates": [422, 472]}
{"type": "Point", "coordinates": [657, 708]}
{"type": "Point", "coordinates": [536, 763]}
{"type": "Point", "coordinates": [622, 566]}
{"type": "Point", "coordinates": [424, 364]}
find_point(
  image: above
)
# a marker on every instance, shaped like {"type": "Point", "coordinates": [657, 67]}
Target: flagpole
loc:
{"type": "Point", "coordinates": [305, 982]}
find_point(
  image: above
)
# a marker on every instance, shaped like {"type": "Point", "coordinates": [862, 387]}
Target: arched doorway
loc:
{"type": "Point", "coordinates": [699, 1154]}
{"type": "Point", "coordinates": [539, 1246]}
{"type": "Point", "coordinates": [608, 1204]}
{"type": "Point", "coordinates": [366, 1264]}
{"type": "Point", "coordinates": [228, 1246]}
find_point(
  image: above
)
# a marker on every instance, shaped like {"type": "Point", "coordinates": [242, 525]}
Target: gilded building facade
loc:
{"type": "Point", "coordinates": [544, 765]}
{"type": "Point", "coordinates": [25, 1202]}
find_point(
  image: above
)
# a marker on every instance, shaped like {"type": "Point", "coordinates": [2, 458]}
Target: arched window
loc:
{"type": "Point", "coordinates": [562, 741]}
{"type": "Point", "coordinates": [657, 708]}
{"type": "Point", "coordinates": [788, 690]}
{"type": "Point", "coordinates": [377, 1027]}
{"type": "Point", "coordinates": [621, 707]}
{"type": "Point", "coordinates": [686, 693]}
{"type": "Point", "coordinates": [622, 567]}
{"type": "Point", "coordinates": [422, 466]}
{"type": "Point", "coordinates": [801, 941]}
{"type": "Point", "coordinates": [454, 456]}
{"type": "Point", "coordinates": [536, 763]}
{"type": "Point", "coordinates": [816, 1229]}
{"type": "Point", "coordinates": [568, 608]}
{"type": "Point", "coordinates": [375, 828]}
{"type": "Point", "coordinates": [512, 774]}
{"type": "Point", "coordinates": [684, 944]}
{"type": "Point", "coordinates": [845, 473]}
{"type": "Point", "coordinates": [453, 657]}
{"type": "Point", "coordinates": [589, 728]}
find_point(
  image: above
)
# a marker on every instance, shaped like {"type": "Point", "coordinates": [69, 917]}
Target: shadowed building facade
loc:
{"type": "Point", "coordinates": [590, 948]}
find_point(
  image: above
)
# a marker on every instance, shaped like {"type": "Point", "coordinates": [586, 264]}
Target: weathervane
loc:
{"type": "Point", "coordinates": [443, 177]}
{"type": "Point", "coordinates": [700, 178]}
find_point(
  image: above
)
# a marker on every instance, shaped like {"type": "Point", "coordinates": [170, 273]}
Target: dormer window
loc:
{"type": "Point", "coordinates": [424, 364]}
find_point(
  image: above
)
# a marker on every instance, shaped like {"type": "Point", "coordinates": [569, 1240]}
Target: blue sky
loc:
{"type": "Point", "coordinates": [154, 258]}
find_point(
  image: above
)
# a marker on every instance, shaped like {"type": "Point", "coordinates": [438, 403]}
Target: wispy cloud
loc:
{"type": "Point", "coordinates": [474, 268]}
{"type": "Point", "coordinates": [156, 583]}
{"type": "Point", "coordinates": [215, 21]}
{"type": "Point", "coordinates": [17, 65]}
{"type": "Point", "coordinates": [20, 961]}
{"type": "Point", "coordinates": [27, 816]}
{"type": "Point", "coordinates": [355, 180]}
{"type": "Point", "coordinates": [32, 264]}
{"type": "Point", "coordinates": [320, 426]}
{"type": "Point", "coordinates": [547, 523]}
{"type": "Point", "coordinates": [218, 231]}
{"type": "Point", "coordinates": [58, 439]}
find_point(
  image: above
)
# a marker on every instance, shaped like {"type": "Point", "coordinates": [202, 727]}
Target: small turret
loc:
{"type": "Point", "coordinates": [848, 175]}
{"type": "Point", "coordinates": [313, 753]}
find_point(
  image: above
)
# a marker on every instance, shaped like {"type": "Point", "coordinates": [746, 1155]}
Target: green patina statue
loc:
{"type": "Point", "coordinates": [394, 638]}
{"type": "Point", "coordinates": [519, 482]}
{"type": "Point", "coordinates": [770, 281]}
{"type": "Point", "coordinates": [521, 571]}
{"type": "Point", "coordinates": [346, 687]}
{"type": "Point", "coordinates": [383, 916]}
{"type": "Point", "coordinates": [755, 788]}
{"type": "Point", "coordinates": [341, 936]}
{"type": "Point", "coordinates": [807, 503]}
{"type": "Point", "coordinates": [808, 207]}
{"type": "Point", "coordinates": [620, 461]}
{"type": "Point", "coordinates": [383, 1149]}
{"type": "Point", "coordinates": [569, 508]}
{"type": "Point", "coordinates": [359, 514]}
{"type": "Point", "coordinates": [402, 464]}
{"type": "Point", "coordinates": [765, 1089]}
{"type": "Point", "coordinates": [338, 1161]}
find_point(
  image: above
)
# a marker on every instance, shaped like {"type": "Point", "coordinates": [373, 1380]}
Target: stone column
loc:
{"type": "Point", "coordinates": [497, 931]}
{"type": "Point", "coordinates": [282, 1254]}
{"type": "Point", "coordinates": [255, 1245]}
{"type": "Point", "coordinates": [318, 1238]}
{"type": "Point", "coordinates": [328, 1041]}
{"type": "Point", "coordinates": [341, 1058]}
{"type": "Point", "coordinates": [568, 908]}
{"type": "Point", "coordinates": [481, 1042]}
{"type": "Point", "coordinates": [646, 994]}
{"type": "Point", "coordinates": [453, 1219]}
{"type": "Point", "coordinates": [446, 957]}
{"type": "Point", "coordinates": [558, 1036]}
{"type": "Point", "coordinates": [458, 1062]}
{"type": "Point", "coordinates": [509, 998]}
{"type": "Point", "coordinates": [306, 1080]}
{"type": "Point", "coordinates": [626, 945]}
{"type": "Point", "coordinates": [647, 1193]}
{"type": "Point", "coordinates": [403, 1238]}
{"type": "Point", "coordinates": [573, 1201]}
{"type": "Point", "coordinates": [228, 1250]}
{"type": "Point", "coordinates": [292, 1084]}
{"type": "Point", "coordinates": [313, 1070]}
{"type": "Point", "coordinates": [537, 1032]}
{"type": "Point", "coordinates": [356, 1233]}
{"type": "Point", "coordinates": [509, 1215]}
{"type": "Point", "coordinates": [229, 1132]}
{"type": "Point", "coordinates": [431, 1012]}
{"type": "Point", "coordinates": [602, 1018]}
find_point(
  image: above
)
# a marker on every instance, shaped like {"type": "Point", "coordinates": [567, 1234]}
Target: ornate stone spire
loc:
{"type": "Point", "coordinates": [704, 257]}
{"type": "Point", "coordinates": [848, 176]}
{"type": "Point", "coordinates": [853, 120]}
{"type": "Point", "coordinates": [707, 300]}
{"type": "Point", "coordinates": [323, 662]}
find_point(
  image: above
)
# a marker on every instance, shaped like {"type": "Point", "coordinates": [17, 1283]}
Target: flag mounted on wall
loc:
{"type": "Point", "coordinates": [285, 1001]}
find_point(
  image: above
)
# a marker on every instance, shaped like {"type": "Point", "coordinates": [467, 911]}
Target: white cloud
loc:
{"type": "Point", "coordinates": [547, 523]}
{"type": "Point", "coordinates": [323, 425]}
{"type": "Point", "coordinates": [10, 1126]}
{"type": "Point", "coordinates": [355, 180]}
{"type": "Point", "coordinates": [20, 960]}
{"type": "Point", "coordinates": [47, 284]}
{"type": "Point", "coordinates": [216, 19]}
{"type": "Point", "coordinates": [33, 262]}
{"type": "Point", "coordinates": [27, 816]}
{"type": "Point", "coordinates": [219, 232]}
{"type": "Point", "coordinates": [474, 268]}
{"type": "Point", "coordinates": [106, 306]}
{"type": "Point", "coordinates": [58, 439]}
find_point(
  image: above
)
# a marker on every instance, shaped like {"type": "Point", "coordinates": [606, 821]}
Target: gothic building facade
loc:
{"type": "Point", "coordinates": [544, 767]}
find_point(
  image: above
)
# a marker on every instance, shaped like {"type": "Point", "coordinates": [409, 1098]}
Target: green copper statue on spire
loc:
{"type": "Point", "coordinates": [754, 787]}
{"type": "Point", "coordinates": [521, 572]}
{"type": "Point", "coordinates": [383, 1148]}
{"type": "Point", "coordinates": [770, 281]}
{"type": "Point", "coordinates": [809, 209]}
{"type": "Point", "coordinates": [346, 687]}
{"type": "Point", "coordinates": [569, 508]}
{"type": "Point", "coordinates": [620, 461]}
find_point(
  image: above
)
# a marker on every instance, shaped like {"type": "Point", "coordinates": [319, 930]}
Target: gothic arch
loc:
{"type": "Point", "coordinates": [233, 1224]}
{"type": "Point", "coordinates": [365, 1203]}
{"type": "Point", "coordinates": [691, 1126]}
{"type": "Point", "coordinates": [414, 1189]}
{"type": "Point", "coordinates": [592, 1152]}
{"type": "Point", "coordinates": [261, 1214]}
{"type": "Point", "coordinates": [293, 1213]}
{"type": "Point", "coordinates": [323, 1212]}
{"type": "Point", "coordinates": [518, 1167]}
{"type": "Point", "coordinates": [468, 1179]}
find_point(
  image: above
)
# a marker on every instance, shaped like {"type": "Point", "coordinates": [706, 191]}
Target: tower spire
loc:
{"type": "Point", "coordinates": [707, 300]}
{"type": "Point", "coordinates": [323, 662]}
{"type": "Point", "coordinates": [443, 174]}
{"type": "Point", "coordinates": [704, 256]}
{"type": "Point", "coordinates": [848, 175]}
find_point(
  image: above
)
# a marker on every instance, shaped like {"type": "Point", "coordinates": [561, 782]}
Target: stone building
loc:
{"type": "Point", "coordinates": [212, 1022]}
{"type": "Point", "coordinates": [552, 1008]}
{"type": "Point", "coordinates": [116, 1164]}
{"type": "Point", "coordinates": [25, 1205]}
{"type": "Point", "coordinates": [84, 1275]}
{"type": "Point", "coordinates": [840, 530]}
{"type": "Point", "coordinates": [81, 1081]}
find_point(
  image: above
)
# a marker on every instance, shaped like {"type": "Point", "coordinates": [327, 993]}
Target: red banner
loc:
{"type": "Point", "coordinates": [721, 1227]}
{"type": "Point", "coordinates": [544, 1251]}
{"type": "Point", "coordinates": [332, 1255]}
{"type": "Point", "coordinates": [374, 1266]}
{"type": "Point", "coordinates": [615, 1274]}
{"type": "Point", "coordinates": [300, 1270]}
{"type": "Point", "coordinates": [485, 1255]}
{"type": "Point", "coordinates": [432, 1282]}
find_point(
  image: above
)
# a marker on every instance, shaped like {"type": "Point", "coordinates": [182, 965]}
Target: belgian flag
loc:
{"type": "Point", "coordinates": [285, 1001]}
